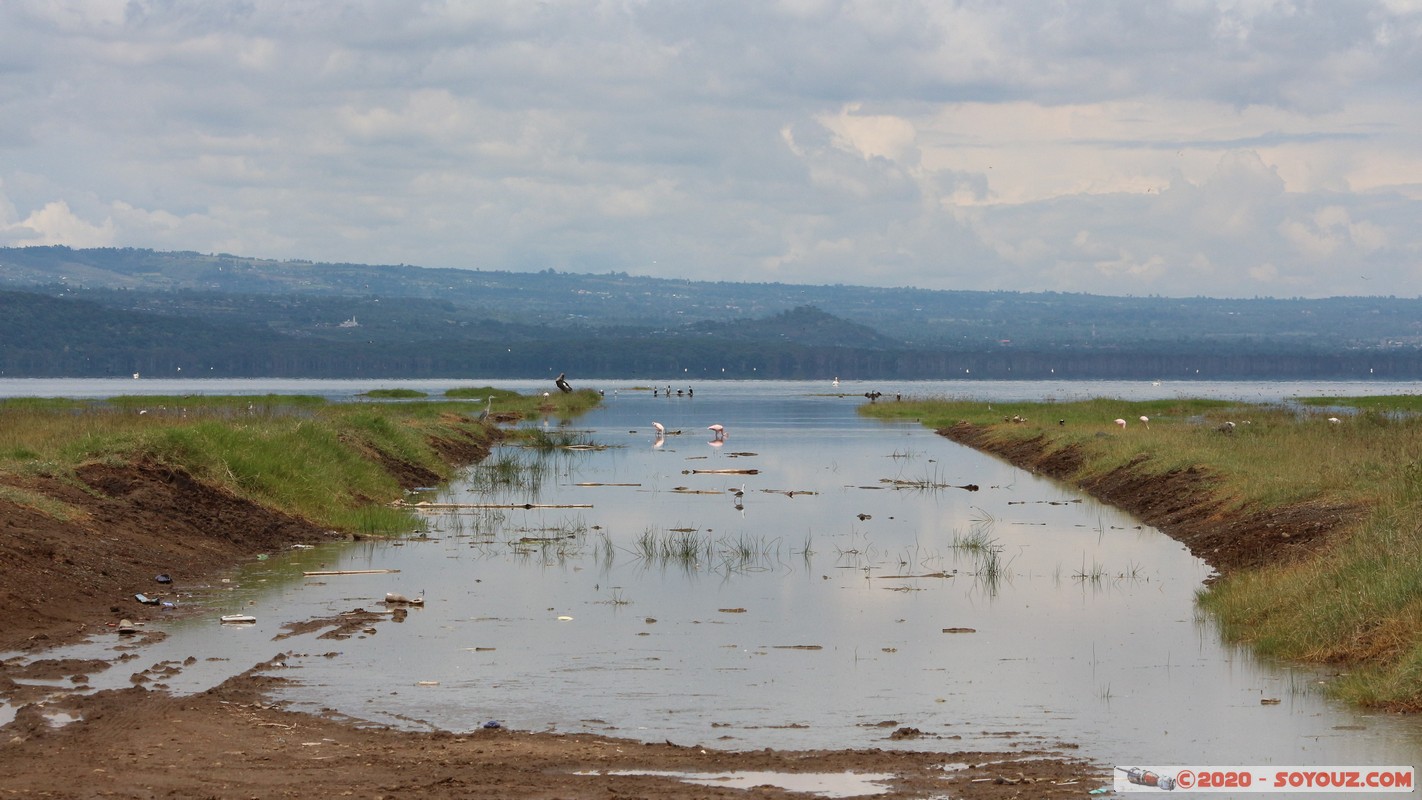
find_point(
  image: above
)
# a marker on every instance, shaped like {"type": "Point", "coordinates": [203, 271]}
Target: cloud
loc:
{"type": "Point", "coordinates": [1181, 147]}
{"type": "Point", "coordinates": [56, 224]}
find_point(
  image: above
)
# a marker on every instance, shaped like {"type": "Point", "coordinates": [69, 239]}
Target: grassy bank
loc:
{"type": "Point", "coordinates": [1353, 599]}
{"type": "Point", "coordinates": [336, 464]}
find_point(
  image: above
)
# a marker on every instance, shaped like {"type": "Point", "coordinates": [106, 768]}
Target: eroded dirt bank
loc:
{"type": "Point", "coordinates": [1183, 504]}
{"type": "Point", "coordinates": [64, 578]}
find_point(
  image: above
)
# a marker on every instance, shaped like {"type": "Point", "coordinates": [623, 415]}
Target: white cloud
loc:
{"type": "Point", "coordinates": [56, 224]}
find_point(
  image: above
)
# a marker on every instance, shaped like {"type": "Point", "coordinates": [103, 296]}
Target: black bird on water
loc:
{"type": "Point", "coordinates": [563, 382]}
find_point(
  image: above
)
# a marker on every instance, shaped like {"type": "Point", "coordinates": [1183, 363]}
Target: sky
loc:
{"type": "Point", "coordinates": [1222, 148]}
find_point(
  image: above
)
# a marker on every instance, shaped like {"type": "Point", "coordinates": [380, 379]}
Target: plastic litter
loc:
{"type": "Point", "coordinates": [492, 724]}
{"type": "Point", "coordinates": [145, 599]}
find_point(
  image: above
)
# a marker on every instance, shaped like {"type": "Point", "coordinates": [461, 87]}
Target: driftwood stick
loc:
{"type": "Point", "coordinates": [446, 506]}
{"type": "Point", "coordinates": [351, 572]}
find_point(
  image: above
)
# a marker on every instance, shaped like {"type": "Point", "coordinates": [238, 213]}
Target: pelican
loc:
{"type": "Point", "coordinates": [562, 382]}
{"type": "Point", "coordinates": [718, 431]}
{"type": "Point", "coordinates": [1120, 423]}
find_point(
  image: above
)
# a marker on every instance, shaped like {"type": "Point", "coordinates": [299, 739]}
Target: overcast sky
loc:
{"type": "Point", "coordinates": [1228, 148]}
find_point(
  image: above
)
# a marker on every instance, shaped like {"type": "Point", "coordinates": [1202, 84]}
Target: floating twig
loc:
{"type": "Point", "coordinates": [350, 572]}
{"type": "Point", "coordinates": [443, 506]}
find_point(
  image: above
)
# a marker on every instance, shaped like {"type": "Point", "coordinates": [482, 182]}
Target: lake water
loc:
{"type": "Point", "coordinates": [851, 590]}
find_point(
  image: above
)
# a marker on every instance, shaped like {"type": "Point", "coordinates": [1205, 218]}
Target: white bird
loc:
{"type": "Point", "coordinates": [1120, 423]}
{"type": "Point", "coordinates": [1145, 421]}
{"type": "Point", "coordinates": [1334, 420]}
{"type": "Point", "coordinates": [661, 429]}
{"type": "Point", "coordinates": [718, 431]}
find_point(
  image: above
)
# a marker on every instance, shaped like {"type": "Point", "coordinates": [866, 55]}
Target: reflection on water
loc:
{"type": "Point", "coordinates": [816, 580]}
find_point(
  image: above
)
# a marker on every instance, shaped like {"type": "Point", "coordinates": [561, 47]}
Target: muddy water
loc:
{"type": "Point", "coordinates": [853, 591]}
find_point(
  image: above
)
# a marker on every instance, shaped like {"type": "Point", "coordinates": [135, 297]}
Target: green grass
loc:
{"type": "Point", "coordinates": [1275, 455]}
{"type": "Point", "coordinates": [299, 454]}
{"type": "Point", "coordinates": [1356, 603]}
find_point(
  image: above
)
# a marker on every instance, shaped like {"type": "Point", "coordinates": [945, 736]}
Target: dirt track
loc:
{"type": "Point", "coordinates": [64, 579]}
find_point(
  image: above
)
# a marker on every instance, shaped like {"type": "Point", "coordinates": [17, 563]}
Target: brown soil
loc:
{"type": "Point", "coordinates": [1183, 504]}
{"type": "Point", "coordinates": [67, 579]}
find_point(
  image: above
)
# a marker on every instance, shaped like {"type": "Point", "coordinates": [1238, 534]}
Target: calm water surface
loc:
{"type": "Point", "coordinates": [811, 614]}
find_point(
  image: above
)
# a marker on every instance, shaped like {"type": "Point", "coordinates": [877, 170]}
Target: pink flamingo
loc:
{"type": "Point", "coordinates": [1120, 423]}
{"type": "Point", "coordinates": [718, 431]}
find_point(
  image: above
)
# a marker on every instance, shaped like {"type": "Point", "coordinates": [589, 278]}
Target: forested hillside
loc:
{"type": "Point", "coordinates": [118, 311]}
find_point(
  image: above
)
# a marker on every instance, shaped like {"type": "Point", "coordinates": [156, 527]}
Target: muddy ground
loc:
{"type": "Point", "coordinates": [63, 579]}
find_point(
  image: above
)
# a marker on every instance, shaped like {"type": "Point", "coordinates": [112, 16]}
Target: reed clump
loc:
{"type": "Point", "coordinates": [1355, 600]}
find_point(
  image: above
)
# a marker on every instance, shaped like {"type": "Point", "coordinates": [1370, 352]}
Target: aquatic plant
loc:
{"type": "Point", "coordinates": [555, 439]}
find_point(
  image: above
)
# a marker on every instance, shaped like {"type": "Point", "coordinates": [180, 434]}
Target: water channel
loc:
{"type": "Point", "coordinates": [851, 590]}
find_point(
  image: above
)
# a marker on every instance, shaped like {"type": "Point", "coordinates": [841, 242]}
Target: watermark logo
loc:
{"type": "Point", "coordinates": [1238, 780]}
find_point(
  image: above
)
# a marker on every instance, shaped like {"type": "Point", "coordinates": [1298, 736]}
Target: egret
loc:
{"type": "Point", "coordinates": [718, 431]}
{"type": "Point", "coordinates": [1120, 423]}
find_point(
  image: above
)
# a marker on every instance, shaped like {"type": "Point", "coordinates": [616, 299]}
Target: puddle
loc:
{"type": "Point", "coordinates": [821, 784]}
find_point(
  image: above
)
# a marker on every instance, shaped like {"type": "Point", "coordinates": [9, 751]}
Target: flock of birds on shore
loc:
{"type": "Point", "coordinates": [718, 431]}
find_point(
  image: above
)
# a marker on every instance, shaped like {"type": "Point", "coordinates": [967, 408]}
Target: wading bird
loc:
{"type": "Point", "coordinates": [562, 382]}
{"type": "Point", "coordinates": [1145, 421]}
{"type": "Point", "coordinates": [661, 429]}
{"type": "Point", "coordinates": [483, 415]}
{"type": "Point", "coordinates": [1120, 423]}
{"type": "Point", "coordinates": [718, 431]}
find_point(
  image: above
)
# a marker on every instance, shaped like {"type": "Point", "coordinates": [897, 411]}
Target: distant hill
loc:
{"type": "Point", "coordinates": [115, 311]}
